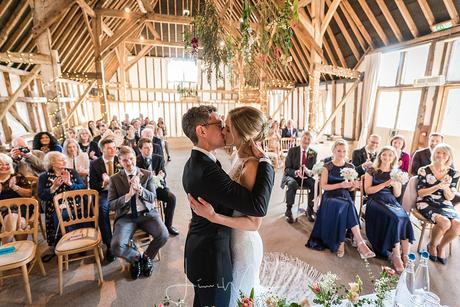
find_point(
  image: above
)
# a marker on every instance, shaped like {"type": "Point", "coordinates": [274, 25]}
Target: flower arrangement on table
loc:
{"type": "Point", "coordinates": [399, 176]}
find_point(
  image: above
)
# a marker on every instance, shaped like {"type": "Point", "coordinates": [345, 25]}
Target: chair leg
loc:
{"type": "Point", "coordinates": [98, 264]}
{"type": "Point", "coordinates": [66, 261]}
{"type": "Point", "coordinates": [450, 249]}
{"type": "Point", "coordinates": [40, 263]}
{"type": "Point", "coordinates": [42, 228]}
{"type": "Point", "coordinates": [25, 276]}
{"type": "Point", "coordinates": [421, 237]}
{"type": "Point", "coordinates": [60, 283]}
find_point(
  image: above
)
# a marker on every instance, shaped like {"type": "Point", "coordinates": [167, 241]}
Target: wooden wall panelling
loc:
{"type": "Point", "coordinates": [334, 105]}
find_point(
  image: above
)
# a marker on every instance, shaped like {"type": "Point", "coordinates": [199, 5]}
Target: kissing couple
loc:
{"type": "Point", "coordinates": [223, 250]}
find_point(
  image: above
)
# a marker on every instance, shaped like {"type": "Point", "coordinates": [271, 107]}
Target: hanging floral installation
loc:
{"type": "Point", "coordinates": [261, 44]}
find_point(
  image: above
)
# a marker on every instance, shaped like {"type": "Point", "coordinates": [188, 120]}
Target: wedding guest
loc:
{"type": "Point", "coordinates": [388, 227]}
{"type": "Point", "coordinates": [27, 162]}
{"type": "Point", "coordinates": [137, 129]}
{"type": "Point", "coordinates": [93, 129]}
{"type": "Point", "coordinates": [75, 158]}
{"type": "Point", "coordinates": [422, 157]}
{"type": "Point", "coordinates": [102, 127]}
{"type": "Point", "coordinates": [12, 185]}
{"type": "Point", "coordinates": [337, 212]}
{"type": "Point", "coordinates": [437, 185]}
{"type": "Point", "coordinates": [87, 145]}
{"type": "Point", "coordinates": [70, 133]}
{"type": "Point", "coordinates": [290, 131]}
{"type": "Point", "coordinates": [363, 158]}
{"type": "Point", "coordinates": [149, 134]}
{"type": "Point", "coordinates": [399, 143]}
{"type": "Point", "coordinates": [282, 124]}
{"type": "Point", "coordinates": [164, 133]}
{"type": "Point", "coordinates": [118, 136]}
{"type": "Point", "coordinates": [100, 171]}
{"type": "Point", "coordinates": [130, 137]}
{"type": "Point", "coordinates": [56, 179]}
{"type": "Point", "coordinates": [156, 164]}
{"type": "Point", "coordinates": [274, 138]}
{"type": "Point", "coordinates": [158, 139]}
{"type": "Point", "coordinates": [126, 122]}
{"type": "Point", "coordinates": [114, 125]}
{"type": "Point", "coordinates": [132, 197]}
{"type": "Point", "coordinates": [46, 142]}
{"type": "Point", "coordinates": [295, 175]}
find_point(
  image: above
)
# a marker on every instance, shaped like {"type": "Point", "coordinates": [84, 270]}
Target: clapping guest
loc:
{"type": "Point", "coordinates": [56, 179]}
{"type": "Point", "coordinates": [398, 142]}
{"type": "Point", "coordinates": [28, 162]}
{"type": "Point", "coordinates": [164, 133]}
{"type": "Point", "coordinates": [87, 145]}
{"type": "Point", "coordinates": [388, 226]}
{"type": "Point", "coordinates": [132, 197]}
{"type": "Point", "coordinates": [46, 142]}
{"type": "Point", "coordinates": [337, 212]}
{"type": "Point", "coordinates": [75, 158]}
{"type": "Point", "coordinates": [422, 157]}
{"type": "Point", "coordinates": [12, 186]}
{"type": "Point", "coordinates": [156, 164]}
{"type": "Point", "coordinates": [290, 131]}
{"type": "Point", "coordinates": [437, 185]}
{"type": "Point", "coordinates": [130, 137]}
{"type": "Point", "coordinates": [364, 157]}
{"type": "Point", "coordinates": [100, 171]}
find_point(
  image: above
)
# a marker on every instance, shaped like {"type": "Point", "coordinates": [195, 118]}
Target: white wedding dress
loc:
{"type": "Point", "coordinates": [247, 250]}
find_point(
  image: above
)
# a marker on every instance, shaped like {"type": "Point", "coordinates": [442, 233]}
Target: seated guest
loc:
{"type": "Point", "coordinates": [388, 226]}
{"type": "Point", "coordinates": [130, 137]}
{"type": "Point", "coordinates": [12, 186]}
{"type": "Point", "coordinates": [126, 122]}
{"type": "Point", "coordinates": [114, 125]}
{"type": "Point", "coordinates": [132, 197]}
{"type": "Point", "coordinates": [118, 136]}
{"type": "Point", "coordinates": [274, 138]}
{"type": "Point", "coordinates": [149, 134]}
{"type": "Point", "coordinates": [100, 171]}
{"type": "Point", "coordinates": [164, 133]}
{"type": "Point", "coordinates": [422, 157]}
{"type": "Point", "coordinates": [156, 164]}
{"type": "Point", "coordinates": [93, 129]}
{"type": "Point", "coordinates": [337, 212]}
{"type": "Point", "coordinates": [70, 133]}
{"type": "Point", "coordinates": [290, 131]}
{"type": "Point", "coordinates": [363, 158]}
{"type": "Point", "coordinates": [46, 142]}
{"type": "Point", "coordinates": [102, 127]}
{"type": "Point", "coordinates": [437, 184]}
{"type": "Point", "coordinates": [87, 145]}
{"type": "Point", "coordinates": [56, 179]}
{"type": "Point", "coordinates": [158, 139]}
{"type": "Point", "coordinates": [282, 124]}
{"type": "Point", "coordinates": [137, 129]}
{"type": "Point", "coordinates": [299, 159]}
{"type": "Point", "coordinates": [27, 162]}
{"type": "Point", "coordinates": [75, 158]}
{"type": "Point", "coordinates": [398, 142]}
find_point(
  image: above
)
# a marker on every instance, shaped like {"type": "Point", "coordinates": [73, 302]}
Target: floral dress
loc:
{"type": "Point", "coordinates": [436, 204]}
{"type": "Point", "coordinates": [44, 192]}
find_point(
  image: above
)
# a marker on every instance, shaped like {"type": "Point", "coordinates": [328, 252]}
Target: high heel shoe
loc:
{"type": "Point", "coordinates": [397, 262]}
{"type": "Point", "coordinates": [368, 254]}
{"type": "Point", "coordinates": [433, 258]}
{"type": "Point", "coordinates": [405, 259]}
{"type": "Point", "coordinates": [443, 261]}
{"type": "Point", "coordinates": [341, 250]}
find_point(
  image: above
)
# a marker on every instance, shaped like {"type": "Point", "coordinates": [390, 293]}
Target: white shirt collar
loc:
{"type": "Point", "coordinates": [210, 155]}
{"type": "Point", "coordinates": [134, 172]}
{"type": "Point", "coordinates": [105, 161]}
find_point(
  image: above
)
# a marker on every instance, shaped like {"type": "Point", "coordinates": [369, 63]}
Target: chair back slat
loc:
{"type": "Point", "coordinates": [81, 206]}
{"type": "Point", "coordinates": [26, 208]}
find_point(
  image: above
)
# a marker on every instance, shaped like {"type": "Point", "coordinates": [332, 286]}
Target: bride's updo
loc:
{"type": "Point", "coordinates": [249, 123]}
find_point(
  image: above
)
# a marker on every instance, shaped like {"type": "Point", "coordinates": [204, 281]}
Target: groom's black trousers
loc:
{"type": "Point", "coordinates": [212, 297]}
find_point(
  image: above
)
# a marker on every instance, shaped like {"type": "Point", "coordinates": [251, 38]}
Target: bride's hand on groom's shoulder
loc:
{"type": "Point", "coordinates": [202, 208]}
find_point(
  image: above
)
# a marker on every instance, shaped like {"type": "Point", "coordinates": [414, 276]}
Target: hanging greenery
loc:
{"type": "Point", "coordinates": [186, 92]}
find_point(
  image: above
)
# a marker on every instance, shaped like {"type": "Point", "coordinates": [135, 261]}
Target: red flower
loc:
{"type": "Point", "coordinates": [388, 270]}
{"type": "Point", "coordinates": [315, 288]}
{"type": "Point", "coordinates": [294, 25]}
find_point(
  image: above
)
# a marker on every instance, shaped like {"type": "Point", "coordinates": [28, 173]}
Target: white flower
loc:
{"type": "Point", "coordinates": [421, 171]}
{"type": "Point", "coordinates": [348, 173]}
{"type": "Point", "coordinates": [399, 176]}
{"type": "Point", "coordinates": [430, 179]}
{"type": "Point", "coordinates": [317, 168]}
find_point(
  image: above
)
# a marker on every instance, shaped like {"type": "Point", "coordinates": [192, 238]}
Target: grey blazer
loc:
{"type": "Point", "coordinates": [119, 187]}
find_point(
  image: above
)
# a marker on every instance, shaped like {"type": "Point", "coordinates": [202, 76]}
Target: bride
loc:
{"type": "Point", "coordinates": [243, 127]}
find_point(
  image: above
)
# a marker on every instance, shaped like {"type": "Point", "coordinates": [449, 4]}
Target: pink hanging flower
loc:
{"type": "Point", "coordinates": [315, 288]}
{"type": "Point", "coordinates": [247, 302]}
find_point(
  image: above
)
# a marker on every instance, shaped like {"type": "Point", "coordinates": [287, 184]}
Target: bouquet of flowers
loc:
{"type": "Point", "coordinates": [157, 182]}
{"type": "Point", "coordinates": [327, 290]}
{"type": "Point", "coordinates": [317, 168]}
{"type": "Point", "coordinates": [384, 284]}
{"type": "Point", "coordinates": [354, 292]}
{"type": "Point", "coordinates": [348, 173]}
{"type": "Point", "coordinates": [246, 301]}
{"type": "Point", "coordinates": [399, 176]}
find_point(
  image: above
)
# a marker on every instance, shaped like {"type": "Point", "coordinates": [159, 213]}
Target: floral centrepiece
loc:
{"type": "Point", "coordinates": [348, 173]}
{"type": "Point", "coordinates": [399, 176]}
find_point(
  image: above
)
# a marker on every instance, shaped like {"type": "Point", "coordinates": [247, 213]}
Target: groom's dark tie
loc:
{"type": "Point", "coordinates": [218, 163]}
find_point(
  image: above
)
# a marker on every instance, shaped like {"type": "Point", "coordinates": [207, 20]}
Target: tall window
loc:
{"type": "Point", "coordinates": [389, 68]}
{"type": "Point", "coordinates": [182, 71]}
{"type": "Point", "coordinates": [453, 74]}
{"type": "Point", "coordinates": [398, 109]}
{"type": "Point", "coordinates": [415, 64]}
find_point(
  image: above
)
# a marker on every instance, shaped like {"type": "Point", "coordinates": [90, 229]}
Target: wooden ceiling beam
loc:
{"type": "Point", "coordinates": [300, 60]}
{"type": "Point", "coordinates": [354, 29]}
{"type": "Point", "coordinates": [453, 13]}
{"type": "Point", "coordinates": [26, 58]}
{"type": "Point", "coordinates": [329, 52]}
{"type": "Point", "coordinates": [389, 18]}
{"type": "Point", "coordinates": [60, 9]}
{"type": "Point", "coordinates": [12, 21]}
{"type": "Point", "coordinates": [303, 3]}
{"type": "Point", "coordinates": [336, 48]}
{"type": "Point", "coordinates": [148, 16]}
{"type": "Point", "coordinates": [426, 11]}
{"type": "Point", "coordinates": [25, 24]}
{"type": "Point", "coordinates": [347, 8]}
{"type": "Point", "coordinates": [374, 21]}
{"type": "Point", "coordinates": [86, 8]}
{"type": "Point", "coordinates": [330, 12]}
{"type": "Point", "coordinates": [407, 17]}
{"type": "Point", "coordinates": [120, 35]}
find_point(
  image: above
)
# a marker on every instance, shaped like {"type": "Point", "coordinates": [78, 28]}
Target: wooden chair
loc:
{"type": "Point", "coordinates": [82, 207]}
{"type": "Point", "coordinates": [26, 251]}
{"type": "Point", "coordinates": [273, 155]}
{"type": "Point", "coordinates": [34, 183]}
{"type": "Point", "coordinates": [286, 143]}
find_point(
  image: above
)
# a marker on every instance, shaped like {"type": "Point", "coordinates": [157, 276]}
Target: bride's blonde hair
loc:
{"type": "Point", "coordinates": [249, 123]}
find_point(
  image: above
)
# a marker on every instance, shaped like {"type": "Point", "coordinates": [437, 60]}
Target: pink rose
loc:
{"type": "Point", "coordinates": [388, 270]}
{"type": "Point", "coordinates": [353, 297]}
{"type": "Point", "coordinates": [247, 302]}
{"type": "Point", "coordinates": [315, 288]}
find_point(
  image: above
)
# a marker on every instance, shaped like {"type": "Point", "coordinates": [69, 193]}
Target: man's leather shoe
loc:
{"type": "Point", "coordinates": [310, 215]}
{"type": "Point", "coordinates": [288, 215]}
{"type": "Point", "coordinates": [146, 266]}
{"type": "Point", "coordinates": [173, 231]}
{"type": "Point", "coordinates": [135, 269]}
{"type": "Point", "coordinates": [109, 256]}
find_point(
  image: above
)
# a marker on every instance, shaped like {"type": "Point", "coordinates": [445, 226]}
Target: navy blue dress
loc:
{"type": "Point", "coordinates": [336, 213]}
{"type": "Point", "coordinates": [387, 223]}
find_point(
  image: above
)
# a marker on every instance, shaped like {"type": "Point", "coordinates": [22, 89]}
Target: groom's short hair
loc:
{"type": "Point", "coordinates": [194, 117]}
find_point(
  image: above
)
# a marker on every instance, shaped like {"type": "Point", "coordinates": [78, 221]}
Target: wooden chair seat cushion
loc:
{"type": "Point", "coordinates": [24, 253]}
{"type": "Point", "coordinates": [79, 239]}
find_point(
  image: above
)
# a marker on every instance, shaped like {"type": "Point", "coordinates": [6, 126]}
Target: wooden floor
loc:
{"type": "Point", "coordinates": [81, 288]}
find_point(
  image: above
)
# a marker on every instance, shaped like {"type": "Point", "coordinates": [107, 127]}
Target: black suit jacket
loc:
{"type": "Point", "coordinates": [158, 163]}
{"type": "Point", "coordinates": [157, 146]}
{"type": "Point", "coordinates": [97, 169]}
{"type": "Point", "coordinates": [292, 162]}
{"type": "Point", "coordinates": [359, 157]}
{"type": "Point", "coordinates": [207, 248]}
{"type": "Point", "coordinates": [421, 157]}
{"type": "Point", "coordinates": [286, 133]}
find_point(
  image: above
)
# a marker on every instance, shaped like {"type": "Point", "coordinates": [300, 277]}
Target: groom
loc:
{"type": "Point", "coordinates": [208, 262]}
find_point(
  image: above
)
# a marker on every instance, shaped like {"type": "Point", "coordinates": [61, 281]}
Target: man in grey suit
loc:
{"type": "Point", "coordinates": [132, 196]}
